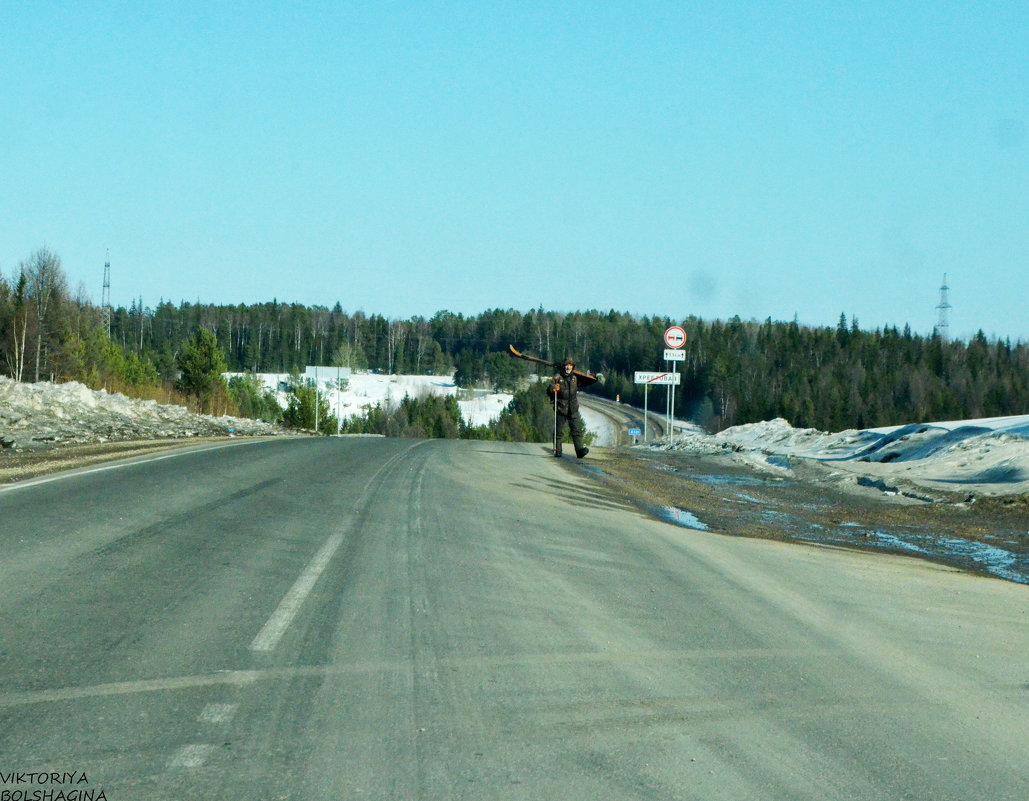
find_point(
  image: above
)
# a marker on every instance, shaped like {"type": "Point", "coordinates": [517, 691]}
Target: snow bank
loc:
{"type": "Point", "coordinates": [35, 415]}
{"type": "Point", "coordinates": [991, 455]}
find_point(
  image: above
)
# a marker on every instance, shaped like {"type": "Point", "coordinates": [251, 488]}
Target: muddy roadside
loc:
{"type": "Point", "coordinates": [806, 501]}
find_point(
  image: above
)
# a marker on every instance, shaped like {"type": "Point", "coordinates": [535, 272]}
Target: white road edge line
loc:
{"type": "Point", "coordinates": [268, 637]}
{"type": "Point", "coordinates": [127, 461]}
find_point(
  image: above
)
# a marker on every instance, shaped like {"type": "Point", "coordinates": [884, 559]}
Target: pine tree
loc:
{"type": "Point", "coordinates": [201, 365]}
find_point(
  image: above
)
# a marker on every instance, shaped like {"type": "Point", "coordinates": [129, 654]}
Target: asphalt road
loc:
{"type": "Point", "coordinates": [398, 619]}
{"type": "Point", "coordinates": [624, 418]}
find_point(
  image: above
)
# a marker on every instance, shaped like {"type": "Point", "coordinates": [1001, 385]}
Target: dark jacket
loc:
{"type": "Point", "coordinates": [566, 390]}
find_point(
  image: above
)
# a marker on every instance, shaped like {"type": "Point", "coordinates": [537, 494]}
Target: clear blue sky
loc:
{"type": "Point", "coordinates": [761, 159]}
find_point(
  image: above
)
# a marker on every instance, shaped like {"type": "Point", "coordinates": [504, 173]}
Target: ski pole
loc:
{"type": "Point", "coordinates": [555, 422]}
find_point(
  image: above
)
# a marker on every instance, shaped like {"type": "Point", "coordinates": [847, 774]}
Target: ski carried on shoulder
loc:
{"type": "Point", "coordinates": [530, 358]}
{"type": "Point", "coordinates": [585, 379]}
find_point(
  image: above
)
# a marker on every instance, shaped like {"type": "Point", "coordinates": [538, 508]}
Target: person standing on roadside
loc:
{"type": "Point", "coordinates": [564, 391]}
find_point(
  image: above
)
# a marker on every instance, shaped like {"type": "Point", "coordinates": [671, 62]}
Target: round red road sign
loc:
{"type": "Point", "coordinates": [675, 337]}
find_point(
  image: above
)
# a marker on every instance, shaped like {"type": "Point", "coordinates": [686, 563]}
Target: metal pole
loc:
{"type": "Point", "coordinates": [646, 389]}
{"type": "Point", "coordinates": [671, 389]}
{"type": "Point", "coordinates": [555, 423]}
{"type": "Point", "coordinates": [668, 411]}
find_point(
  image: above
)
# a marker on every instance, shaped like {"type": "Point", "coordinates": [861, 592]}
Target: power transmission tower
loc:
{"type": "Point", "coordinates": [943, 307]}
{"type": "Point", "coordinates": [106, 302]}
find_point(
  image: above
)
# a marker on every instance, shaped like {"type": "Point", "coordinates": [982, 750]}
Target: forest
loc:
{"type": "Point", "coordinates": [736, 371]}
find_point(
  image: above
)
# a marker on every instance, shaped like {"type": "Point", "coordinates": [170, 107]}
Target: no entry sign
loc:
{"type": "Point", "coordinates": [675, 337]}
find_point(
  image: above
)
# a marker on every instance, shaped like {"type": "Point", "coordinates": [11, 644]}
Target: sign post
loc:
{"type": "Point", "coordinates": [675, 338]}
{"type": "Point", "coordinates": [648, 378]}
{"type": "Point", "coordinates": [339, 395]}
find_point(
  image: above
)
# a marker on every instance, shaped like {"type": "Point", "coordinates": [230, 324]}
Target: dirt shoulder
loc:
{"type": "Point", "coordinates": [808, 502]}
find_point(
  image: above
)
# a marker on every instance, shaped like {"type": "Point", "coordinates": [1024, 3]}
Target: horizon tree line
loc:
{"type": "Point", "coordinates": [831, 378]}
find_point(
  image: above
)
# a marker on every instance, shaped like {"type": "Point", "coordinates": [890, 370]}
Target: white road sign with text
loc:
{"type": "Point", "coordinates": [657, 378]}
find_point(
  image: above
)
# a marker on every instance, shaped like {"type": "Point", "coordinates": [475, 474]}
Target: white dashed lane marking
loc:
{"type": "Point", "coordinates": [191, 756]}
{"type": "Point", "coordinates": [268, 637]}
{"type": "Point", "coordinates": [218, 713]}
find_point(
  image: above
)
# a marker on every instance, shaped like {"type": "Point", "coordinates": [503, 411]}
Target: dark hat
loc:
{"type": "Point", "coordinates": [569, 360]}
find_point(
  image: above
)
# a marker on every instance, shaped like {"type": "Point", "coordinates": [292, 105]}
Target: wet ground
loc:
{"type": "Point", "coordinates": [806, 502]}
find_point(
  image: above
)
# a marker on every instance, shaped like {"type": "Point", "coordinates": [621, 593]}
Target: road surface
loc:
{"type": "Point", "coordinates": [401, 619]}
{"type": "Point", "coordinates": [622, 418]}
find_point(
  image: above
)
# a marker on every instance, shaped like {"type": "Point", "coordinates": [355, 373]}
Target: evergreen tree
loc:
{"type": "Point", "coordinates": [300, 411]}
{"type": "Point", "coordinates": [201, 364]}
{"type": "Point", "coordinates": [253, 400]}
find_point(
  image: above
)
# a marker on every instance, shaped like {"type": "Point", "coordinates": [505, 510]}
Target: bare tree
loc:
{"type": "Point", "coordinates": [543, 323]}
{"type": "Point", "coordinates": [421, 330]}
{"type": "Point", "coordinates": [348, 354]}
{"type": "Point", "coordinates": [47, 289]}
{"type": "Point", "coordinates": [320, 328]}
{"type": "Point", "coordinates": [15, 357]}
{"type": "Point", "coordinates": [396, 334]}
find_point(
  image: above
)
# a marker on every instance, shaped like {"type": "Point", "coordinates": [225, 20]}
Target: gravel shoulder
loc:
{"type": "Point", "coordinates": [808, 502]}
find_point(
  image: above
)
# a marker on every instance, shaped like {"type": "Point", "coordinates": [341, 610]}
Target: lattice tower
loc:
{"type": "Point", "coordinates": [942, 308]}
{"type": "Point", "coordinates": [106, 303]}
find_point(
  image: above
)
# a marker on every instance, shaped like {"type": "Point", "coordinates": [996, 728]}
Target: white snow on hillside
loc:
{"type": "Point", "coordinates": [366, 390]}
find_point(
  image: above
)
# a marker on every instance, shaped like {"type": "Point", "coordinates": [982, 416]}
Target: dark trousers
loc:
{"type": "Point", "coordinates": [574, 423]}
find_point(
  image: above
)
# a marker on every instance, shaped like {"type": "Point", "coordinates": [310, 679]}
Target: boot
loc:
{"type": "Point", "coordinates": [581, 452]}
{"type": "Point", "coordinates": [557, 452]}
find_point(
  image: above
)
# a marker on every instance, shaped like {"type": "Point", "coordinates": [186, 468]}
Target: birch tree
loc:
{"type": "Point", "coordinates": [47, 290]}
{"type": "Point", "coordinates": [15, 354]}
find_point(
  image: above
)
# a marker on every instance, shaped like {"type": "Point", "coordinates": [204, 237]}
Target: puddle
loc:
{"type": "Point", "coordinates": [735, 481]}
{"type": "Point", "coordinates": [996, 560]}
{"type": "Point", "coordinates": [784, 518]}
{"type": "Point", "coordinates": [680, 517]}
{"type": "Point", "coordinates": [893, 541]}
{"type": "Point", "coordinates": [947, 550]}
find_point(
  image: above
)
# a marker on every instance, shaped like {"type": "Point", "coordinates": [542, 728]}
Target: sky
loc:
{"type": "Point", "coordinates": [783, 160]}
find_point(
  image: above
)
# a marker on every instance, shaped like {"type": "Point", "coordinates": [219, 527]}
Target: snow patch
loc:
{"type": "Point", "coordinates": [990, 455]}
{"type": "Point", "coordinates": [35, 415]}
